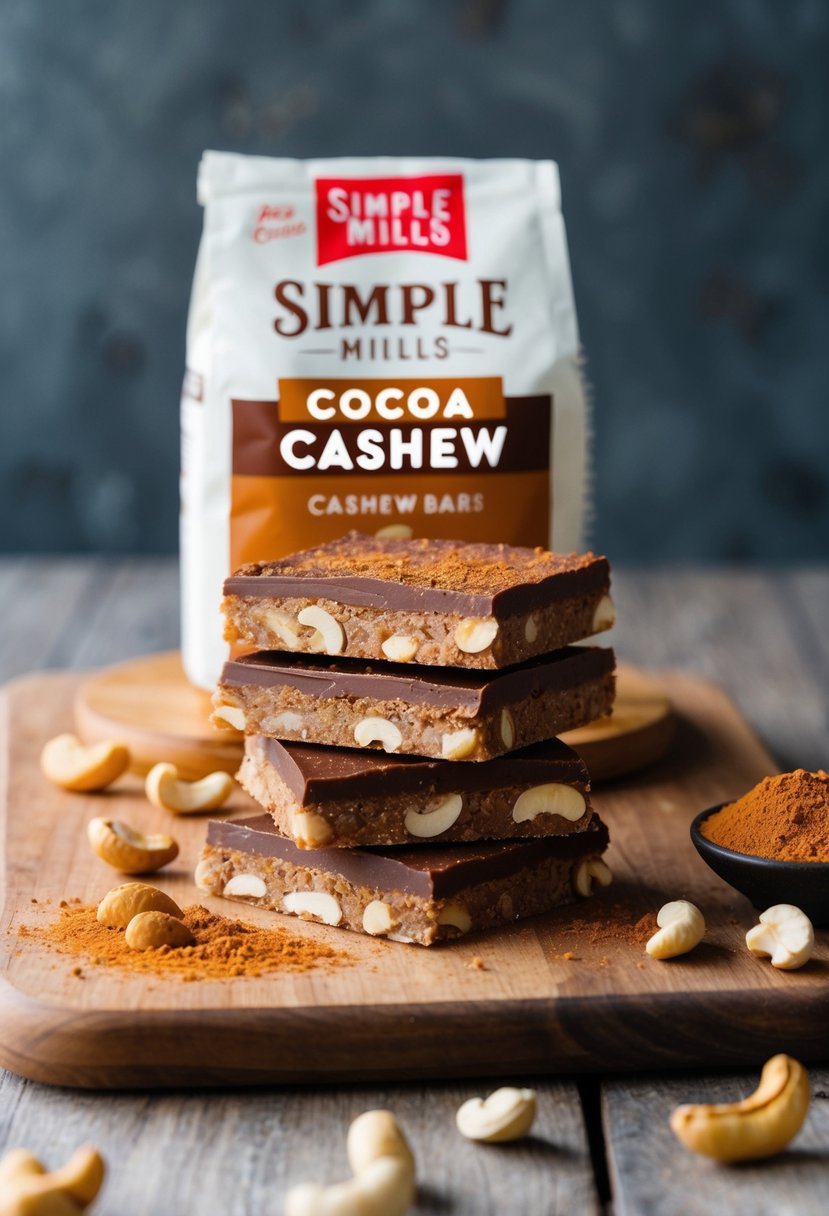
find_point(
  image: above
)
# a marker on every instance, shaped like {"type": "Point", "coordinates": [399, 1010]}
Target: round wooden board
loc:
{"type": "Point", "coordinates": [151, 706]}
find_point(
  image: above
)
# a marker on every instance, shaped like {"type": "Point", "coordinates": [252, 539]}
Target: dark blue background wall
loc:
{"type": "Point", "coordinates": [692, 139]}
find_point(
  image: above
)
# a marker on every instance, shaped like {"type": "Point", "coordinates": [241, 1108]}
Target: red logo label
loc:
{"type": "Point", "coordinates": [359, 215]}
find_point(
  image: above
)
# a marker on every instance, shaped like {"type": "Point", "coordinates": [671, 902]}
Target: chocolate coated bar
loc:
{"type": "Point", "coordinates": [435, 602]}
{"type": "Point", "coordinates": [331, 796]}
{"type": "Point", "coordinates": [420, 895]}
{"type": "Point", "coordinates": [451, 714]}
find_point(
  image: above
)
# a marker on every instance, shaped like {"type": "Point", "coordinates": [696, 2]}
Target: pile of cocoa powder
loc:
{"type": "Point", "coordinates": [224, 949]}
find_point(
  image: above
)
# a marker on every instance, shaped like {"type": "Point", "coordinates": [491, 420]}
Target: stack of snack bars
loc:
{"type": "Point", "coordinates": [400, 717]}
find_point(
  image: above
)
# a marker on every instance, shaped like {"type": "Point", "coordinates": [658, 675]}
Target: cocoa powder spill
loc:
{"type": "Point", "coordinates": [604, 924]}
{"type": "Point", "coordinates": [224, 949]}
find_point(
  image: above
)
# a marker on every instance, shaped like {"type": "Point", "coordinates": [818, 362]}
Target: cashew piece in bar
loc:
{"type": "Point", "coordinates": [384, 1174]}
{"type": "Point", "coordinates": [759, 1126]}
{"type": "Point", "coordinates": [67, 763]}
{"type": "Point", "coordinates": [28, 1189]}
{"type": "Point", "coordinates": [681, 928]}
{"type": "Point", "coordinates": [507, 1114]}
{"type": "Point", "coordinates": [784, 935]}
{"type": "Point", "coordinates": [166, 789]}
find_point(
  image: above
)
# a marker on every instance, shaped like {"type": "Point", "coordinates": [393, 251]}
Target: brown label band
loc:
{"type": "Point", "coordinates": [266, 445]}
{"type": "Point", "coordinates": [272, 516]}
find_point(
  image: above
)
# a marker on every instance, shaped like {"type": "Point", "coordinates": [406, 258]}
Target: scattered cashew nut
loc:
{"type": "Point", "coordinates": [166, 789]}
{"type": "Point", "coordinates": [67, 763]}
{"type": "Point", "coordinates": [127, 850]}
{"type": "Point", "coordinates": [785, 935]}
{"type": "Point", "coordinates": [384, 1174]}
{"type": "Point", "coordinates": [331, 631]}
{"type": "Point", "coordinates": [507, 1114]}
{"type": "Point", "coordinates": [681, 928]}
{"type": "Point", "coordinates": [151, 930]}
{"type": "Point", "coordinates": [759, 1126]}
{"type": "Point", "coordinates": [121, 904]}
{"type": "Point", "coordinates": [28, 1189]}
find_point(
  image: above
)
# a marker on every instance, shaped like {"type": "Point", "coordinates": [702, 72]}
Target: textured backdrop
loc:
{"type": "Point", "coordinates": [692, 142]}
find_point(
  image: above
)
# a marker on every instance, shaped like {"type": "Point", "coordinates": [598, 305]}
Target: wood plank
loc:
{"type": "Point", "coordinates": [532, 1009]}
{"type": "Point", "coordinates": [239, 1152]}
{"type": "Point", "coordinates": [652, 1173]}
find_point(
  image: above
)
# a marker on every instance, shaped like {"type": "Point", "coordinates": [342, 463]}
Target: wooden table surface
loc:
{"type": "Point", "coordinates": [597, 1146]}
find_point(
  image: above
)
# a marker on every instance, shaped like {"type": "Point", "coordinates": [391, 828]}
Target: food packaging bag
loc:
{"type": "Point", "coordinates": [388, 345]}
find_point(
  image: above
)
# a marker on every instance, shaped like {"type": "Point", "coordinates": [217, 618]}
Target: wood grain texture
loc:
{"type": "Point", "coordinates": [238, 1153]}
{"type": "Point", "coordinates": [653, 1175]}
{"type": "Point", "coordinates": [392, 1010]}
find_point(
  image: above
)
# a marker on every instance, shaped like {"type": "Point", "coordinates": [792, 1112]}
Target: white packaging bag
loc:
{"type": "Point", "coordinates": [373, 344]}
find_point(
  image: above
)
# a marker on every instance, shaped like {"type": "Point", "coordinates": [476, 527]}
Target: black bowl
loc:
{"type": "Point", "coordinates": [765, 881]}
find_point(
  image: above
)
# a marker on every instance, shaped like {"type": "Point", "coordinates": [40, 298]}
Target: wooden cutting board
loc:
{"type": "Point", "coordinates": [547, 996]}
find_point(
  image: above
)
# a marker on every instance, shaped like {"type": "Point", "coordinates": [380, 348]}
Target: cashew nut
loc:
{"type": "Point", "coordinates": [507, 1114]}
{"type": "Point", "coordinates": [332, 632]}
{"type": "Point", "coordinates": [318, 904]}
{"type": "Point", "coordinates": [151, 930]}
{"type": "Point", "coordinates": [605, 615]}
{"type": "Point", "coordinates": [384, 1174]}
{"type": "Point", "coordinates": [785, 935]}
{"type": "Point", "coordinates": [378, 730]}
{"type": "Point", "coordinates": [475, 633]}
{"type": "Point", "coordinates": [121, 904]}
{"type": "Point", "coordinates": [285, 626]}
{"type": "Point", "coordinates": [127, 850]}
{"type": "Point", "coordinates": [400, 648]}
{"type": "Point", "coordinates": [550, 799]}
{"type": "Point", "coordinates": [234, 715]}
{"type": "Point", "coordinates": [591, 871]}
{"type": "Point", "coordinates": [28, 1189]}
{"type": "Point", "coordinates": [378, 918]}
{"type": "Point", "coordinates": [457, 916]}
{"type": "Point", "coordinates": [166, 789]}
{"type": "Point", "coordinates": [245, 886]}
{"type": "Point", "coordinates": [67, 763]}
{"type": "Point", "coordinates": [507, 729]}
{"type": "Point", "coordinates": [310, 830]}
{"type": "Point", "coordinates": [681, 927]}
{"type": "Point", "coordinates": [759, 1126]}
{"type": "Point", "coordinates": [459, 744]}
{"type": "Point", "coordinates": [434, 822]}
{"type": "Point", "coordinates": [530, 629]}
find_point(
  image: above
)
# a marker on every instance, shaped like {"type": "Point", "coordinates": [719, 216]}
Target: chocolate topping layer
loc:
{"type": "Point", "coordinates": [317, 774]}
{"type": "Point", "coordinates": [432, 872]}
{"type": "Point", "coordinates": [425, 576]}
{"type": "Point", "coordinates": [458, 687]}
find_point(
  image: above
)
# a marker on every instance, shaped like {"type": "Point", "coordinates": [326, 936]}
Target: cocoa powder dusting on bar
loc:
{"type": "Point", "coordinates": [450, 565]}
{"type": "Point", "coordinates": [224, 949]}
